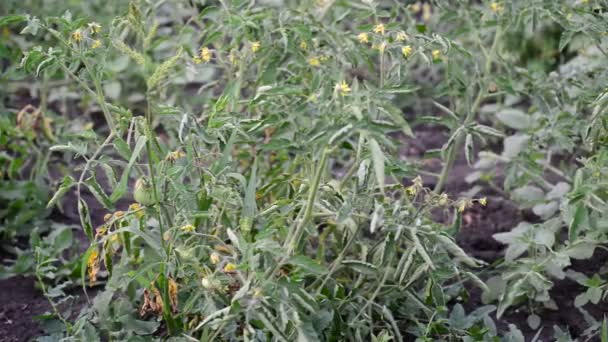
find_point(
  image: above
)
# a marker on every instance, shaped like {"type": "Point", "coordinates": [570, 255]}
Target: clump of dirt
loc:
{"type": "Point", "coordinates": [21, 301]}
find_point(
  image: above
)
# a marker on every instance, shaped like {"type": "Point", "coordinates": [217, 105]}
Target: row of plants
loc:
{"type": "Point", "coordinates": [259, 144]}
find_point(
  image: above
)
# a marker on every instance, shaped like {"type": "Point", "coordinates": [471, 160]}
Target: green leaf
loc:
{"type": "Point", "coordinates": [67, 183]}
{"type": "Point", "coordinates": [378, 160]}
{"type": "Point", "coordinates": [85, 218]}
{"type": "Point", "coordinates": [514, 118]}
{"type": "Point", "coordinates": [99, 194]}
{"type": "Point", "coordinates": [122, 148]}
{"type": "Point", "coordinates": [580, 216]}
{"type": "Point", "coordinates": [468, 149]}
{"type": "Point", "coordinates": [11, 19]}
{"type": "Point", "coordinates": [121, 188]}
{"type": "Point", "coordinates": [514, 144]}
{"type": "Point", "coordinates": [307, 264]}
{"type": "Point", "coordinates": [361, 267]}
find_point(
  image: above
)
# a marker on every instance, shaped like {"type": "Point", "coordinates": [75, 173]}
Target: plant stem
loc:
{"type": "Point", "coordinates": [453, 151]}
{"type": "Point", "coordinates": [312, 195]}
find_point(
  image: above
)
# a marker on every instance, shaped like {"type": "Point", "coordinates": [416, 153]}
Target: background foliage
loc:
{"type": "Point", "coordinates": [245, 156]}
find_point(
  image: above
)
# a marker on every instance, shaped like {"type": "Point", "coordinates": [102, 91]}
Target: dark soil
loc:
{"type": "Point", "coordinates": [21, 301]}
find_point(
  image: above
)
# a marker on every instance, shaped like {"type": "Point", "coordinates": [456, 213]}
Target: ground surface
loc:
{"type": "Point", "coordinates": [20, 302]}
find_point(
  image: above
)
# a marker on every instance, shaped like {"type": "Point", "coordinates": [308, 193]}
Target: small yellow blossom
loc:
{"type": "Point", "coordinates": [255, 46]}
{"type": "Point", "coordinates": [119, 214]}
{"type": "Point", "coordinates": [314, 61]}
{"type": "Point", "coordinates": [232, 58]}
{"type": "Point", "coordinates": [230, 267]}
{"type": "Point", "coordinates": [411, 190]}
{"type": "Point", "coordinates": [363, 37]}
{"type": "Point", "coordinates": [426, 12]}
{"type": "Point", "coordinates": [436, 54]}
{"type": "Point", "coordinates": [401, 36]}
{"type": "Point", "coordinates": [258, 293]}
{"type": "Point", "coordinates": [77, 36]}
{"type": "Point", "coordinates": [483, 201]}
{"type": "Point", "coordinates": [406, 51]}
{"type": "Point", "coordinates": [380, 47]}
{"type": "Point", "coordinates": [462, 205]}
{"type": "Point", "coordinates": [443, 199]}
{"type": "Point", "coordinates": [214, 258]}
{"type": "Point", "coordinates": [188, 228]}
{"type": "Point", "coordinates": [94, 27]}
{"type": "Point", "coordinates": [175, 155]}
{"type": "Point", "coordinates": [323, 58]}
{"type": "Point", "coordinates": [343, 88]}
{"type": "Point", "coordinates": [137, 210]}
{"type": "Point", "coordinates": [96, 44]}
{"type": "Point", "coordinates": [204, 55]}
{"type": "Point", "coordinates": [379, 28]}
{"type": "Point", "coordinates": [496, 7]}
{"type": "Point", "coordinates": [303, 45]}
{"type": "Point", "coordinates": [416, 7]}
{"type": "Point", "coordinates": [107, 217]}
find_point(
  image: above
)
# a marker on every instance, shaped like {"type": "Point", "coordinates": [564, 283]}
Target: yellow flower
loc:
{"type": "Point", "coordinates": [443, 199]}
{"type": "Point", "coordinates": [483, 201]}
{"type": "Point", "coordinates": [462, 205]}
{"type": "Point", "coordinates": [175, 155]}
{"type": "Point", "coordinates": [496, 7]}
{"type": "Point", "coordinates": [343, 88]}
{"type": "Point", "coordinates": [119, 214]}
{"type": "Point", "coordinates": [415, 7]}
{"type": "Point", "coordinates": [426, 12]}
{"type": "Point", "coordinates": [188, 228]}
{"type": "Point", "coordinates": [380, 47]}
{"type": "Point", "coordinates": [214, 258]}
{"type": "Point", "coordinates": [77, 36]}
{"type": "Point", "coordinates": [94, 27]}
{"type": "Point", "coordinates": [96, 44]}
{"type": "Point", "coordinates": [255, 46]}
{"type": "Point", "coordinates": [303, 45]}
{"type": "Point", "coordinates": [204, 55]}
{"type": "Point", "coordinates": [363, 38]}
{"type": "Point", "coordinates": [323, 58]}
{"type": "Point", "coordinates": [436, 54]}
{"type": "Point", "coordinates": [137, 210]}
{"type": "Point", "coordinates": [379, 28]}
{"type": "Point", "coordinates": [406, 51]}
{"type": "Point", "coordinates": [314, 61]}
{"type": "Point", "coordinates": [232, 58]}
{"type": "Point", "coordinates": [401, 36]}
{"type": "Point", "coordinates": [411, 190]}
{"type": "Point", "coordinates": [230, 267]}
{"type": "Point", "coordinates": [107, 217]}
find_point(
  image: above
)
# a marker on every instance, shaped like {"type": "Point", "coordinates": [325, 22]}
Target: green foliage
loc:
{"type": "Point", "coordinates": [260, 143]}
